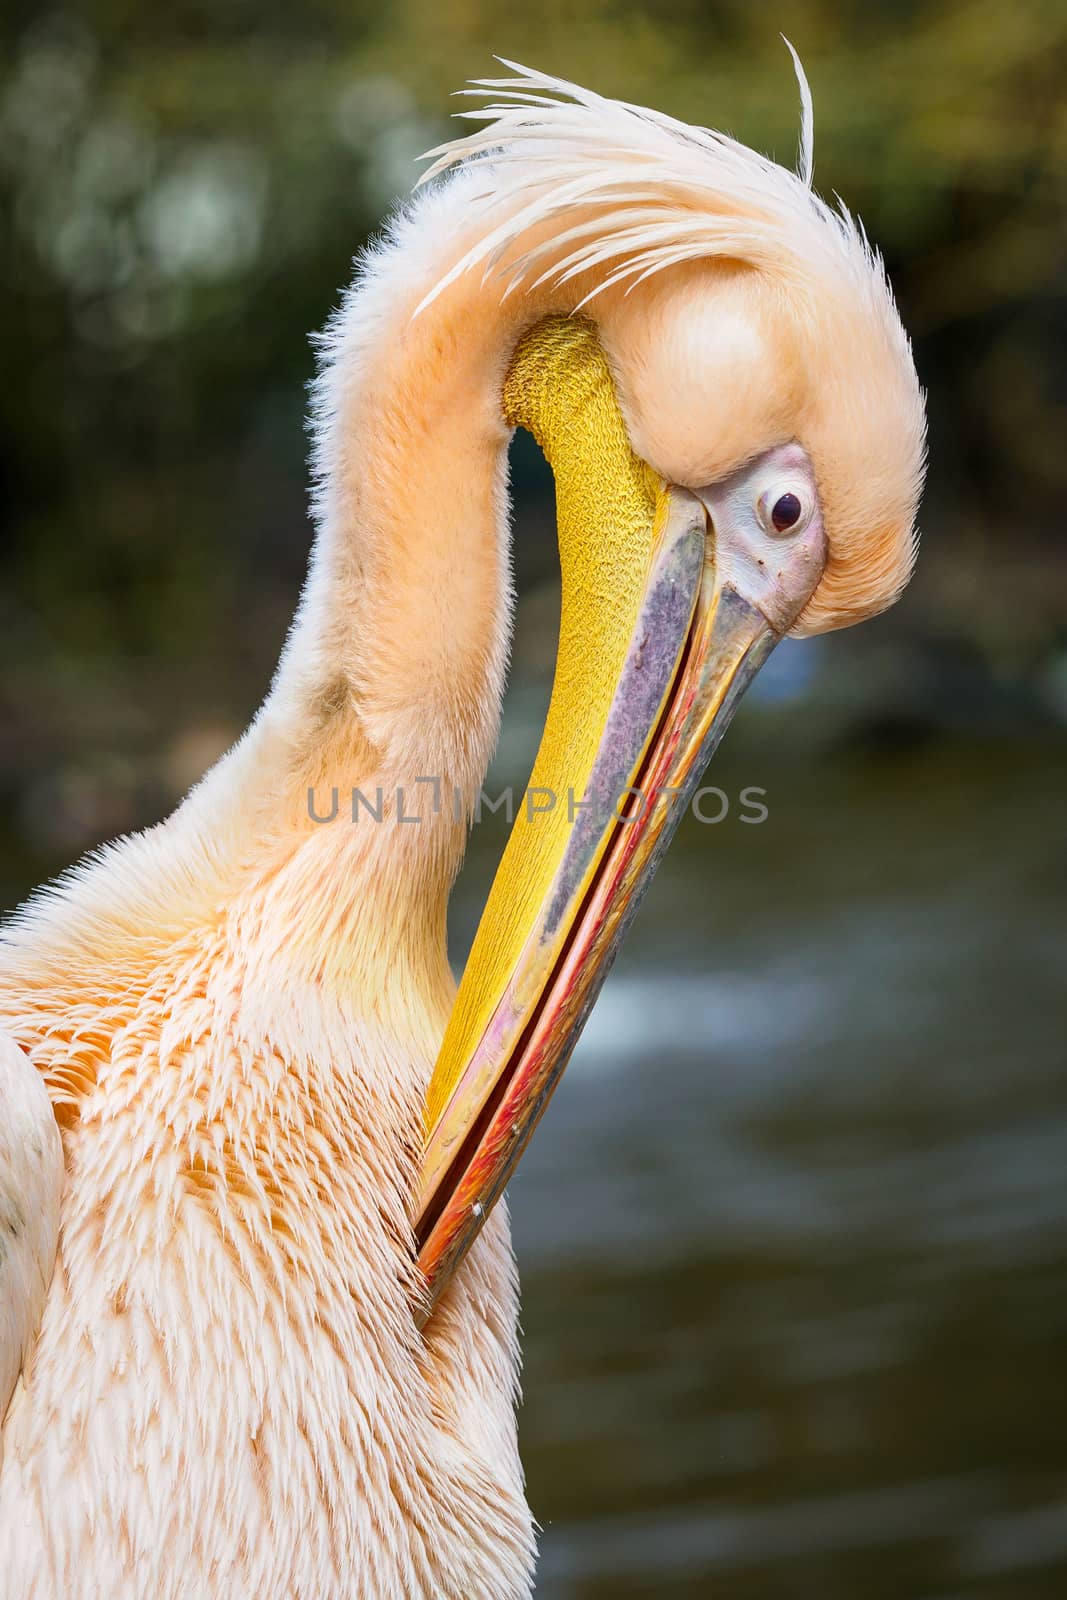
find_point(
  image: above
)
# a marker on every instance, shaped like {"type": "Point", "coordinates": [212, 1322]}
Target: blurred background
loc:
{"type": "Point", "coordinates": [793, 1235]}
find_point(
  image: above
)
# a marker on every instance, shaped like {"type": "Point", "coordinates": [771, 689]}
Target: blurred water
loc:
{"type": "Point", "coordinates": [793, 1233]}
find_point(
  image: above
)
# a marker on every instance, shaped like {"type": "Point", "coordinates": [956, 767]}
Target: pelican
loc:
{"type": "Point", "coordinates": [258, 1317]}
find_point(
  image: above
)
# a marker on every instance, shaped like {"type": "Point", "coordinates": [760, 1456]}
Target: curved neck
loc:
{"type": "Point", "coordinates": [394, 668]}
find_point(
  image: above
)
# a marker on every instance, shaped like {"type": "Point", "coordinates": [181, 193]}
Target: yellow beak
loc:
{"type": "Point", "coordinates": [657, 645]}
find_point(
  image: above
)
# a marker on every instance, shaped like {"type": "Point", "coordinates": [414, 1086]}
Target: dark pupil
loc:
{"type": "Point", "coordinates": [786, 512]}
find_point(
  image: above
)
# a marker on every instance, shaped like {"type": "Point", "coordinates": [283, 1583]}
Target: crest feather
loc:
{"type": "Point", "coordinates": [660, 192]}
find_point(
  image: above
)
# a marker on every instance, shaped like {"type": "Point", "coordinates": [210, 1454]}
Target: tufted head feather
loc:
{"type": "Point", "coordinates": [770, 303]}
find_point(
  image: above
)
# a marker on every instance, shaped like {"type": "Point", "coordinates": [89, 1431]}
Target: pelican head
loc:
{"type": "Point", "coordinates": [712, 361]}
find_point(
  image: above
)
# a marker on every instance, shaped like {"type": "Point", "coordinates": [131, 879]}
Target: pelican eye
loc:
{"type": "Point", "coordinates": [782, 510]}
{"type": "Point", "coordinates": [786, 511]}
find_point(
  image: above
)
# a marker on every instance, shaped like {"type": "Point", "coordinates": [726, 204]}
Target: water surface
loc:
{"type": "Point", "coordinates": [793, 1233]}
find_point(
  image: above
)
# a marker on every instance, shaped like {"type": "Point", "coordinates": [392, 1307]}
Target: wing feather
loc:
{"type": "Point", "coordinates": [31, 1183]}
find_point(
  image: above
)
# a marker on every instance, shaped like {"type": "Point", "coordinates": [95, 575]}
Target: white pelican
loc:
{"type": "Point", "coordinates": [214, 1289]}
